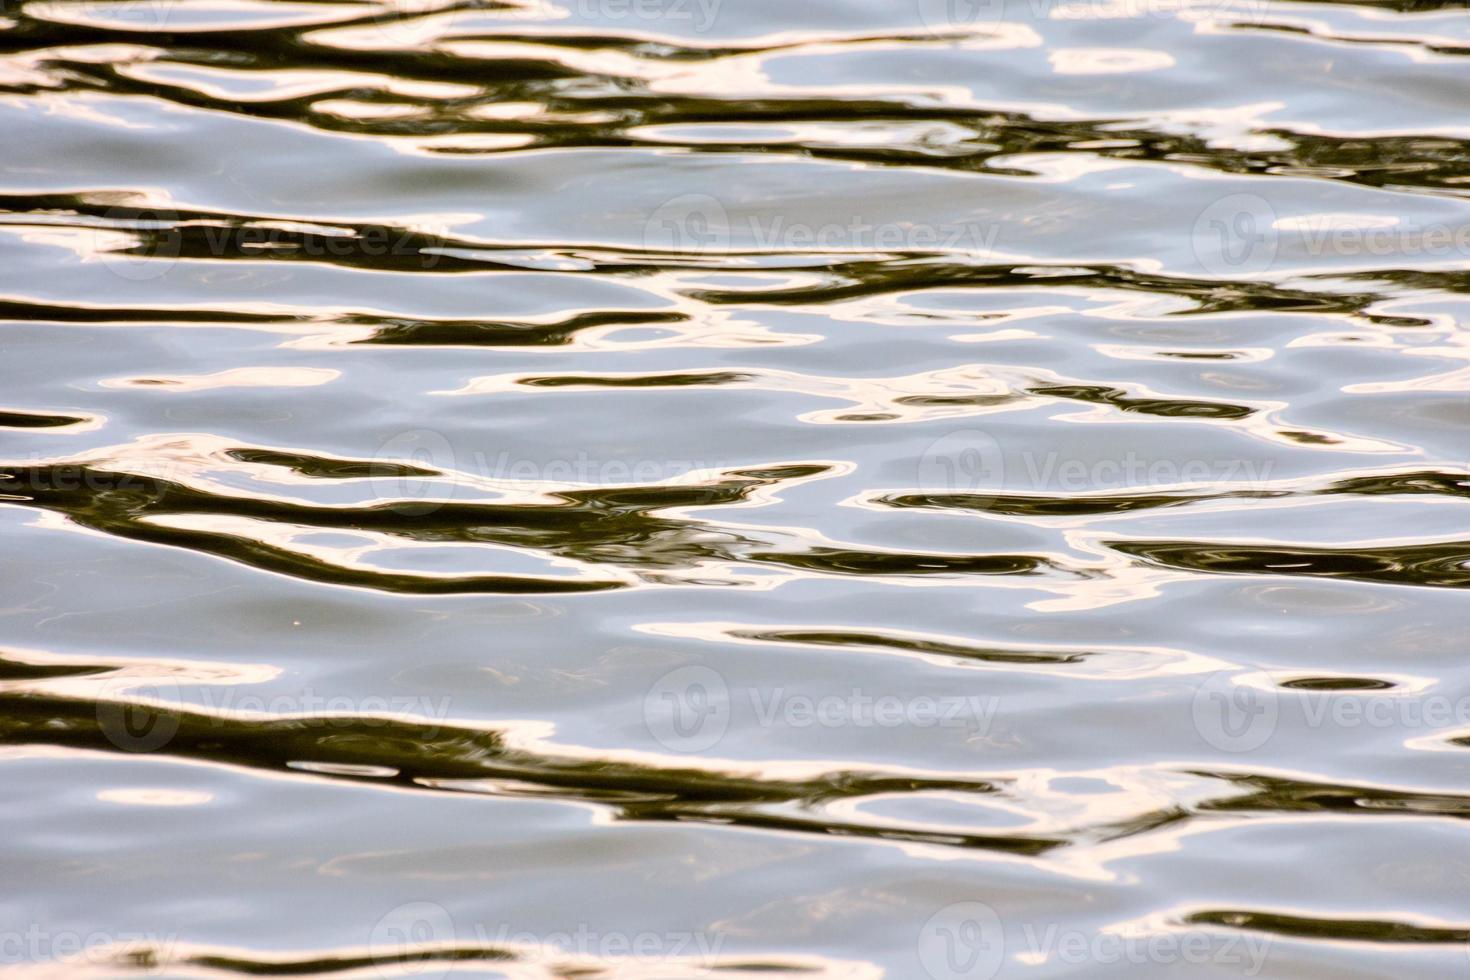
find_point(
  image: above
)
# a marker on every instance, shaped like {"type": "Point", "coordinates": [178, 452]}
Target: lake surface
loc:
{"type": "Point", "coordinates": [734, 488]}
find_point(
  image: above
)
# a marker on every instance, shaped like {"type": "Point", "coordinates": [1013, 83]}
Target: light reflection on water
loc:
{"type": "Point", "coordinates": [660, 488]}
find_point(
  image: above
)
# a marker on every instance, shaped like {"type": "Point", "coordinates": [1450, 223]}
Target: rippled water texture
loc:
{"type": "Point", "coordinates": [734, 488]}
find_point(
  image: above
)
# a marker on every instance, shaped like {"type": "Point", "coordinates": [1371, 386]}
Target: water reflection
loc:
{"type": "Point", "coordinates": [1103, 362]}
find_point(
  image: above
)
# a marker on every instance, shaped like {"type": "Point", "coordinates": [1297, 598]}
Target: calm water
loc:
{"type": "Point", "coordinates": [734, 488]}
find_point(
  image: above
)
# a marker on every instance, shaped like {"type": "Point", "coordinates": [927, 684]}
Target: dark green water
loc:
{"type": "Point", "coordinates": [734, 488]}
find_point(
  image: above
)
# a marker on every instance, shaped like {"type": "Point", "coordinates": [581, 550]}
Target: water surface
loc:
{"type": "Point", "coordinates": [669, 488]}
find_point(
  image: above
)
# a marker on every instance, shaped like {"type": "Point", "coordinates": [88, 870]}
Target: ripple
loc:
{"type": "Point", "coordinates": [33, 420]}
{"type": "Point", "coordinates": [1309, 927]}
{"type": "Point", "coordinates": [1437, 564]}
{"type": "Point", "coordinates": [530, 351]}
